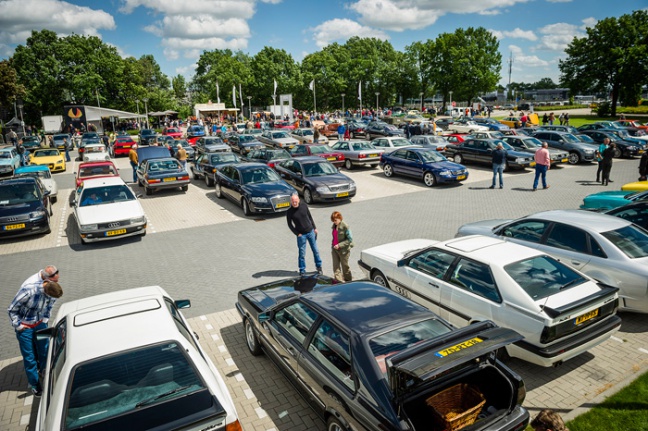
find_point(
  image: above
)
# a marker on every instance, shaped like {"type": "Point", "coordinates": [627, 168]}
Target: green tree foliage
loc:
{"type": "Point", "coordinates": [544, 84]}
{"type": "Point", "coordinates": [179, 84]}
{"type": "Point", "coordinates": [272, 64]}
{"type": "Point", "coordinates": [224, 67]}
{"type": "Point", "coordinates": [10, 89]}
{"type": "Point", "coordinates": [610, 59]}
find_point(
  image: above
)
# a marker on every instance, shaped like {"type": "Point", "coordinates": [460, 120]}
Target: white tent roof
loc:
{"type": "Point", "coordinates": [95, 113]}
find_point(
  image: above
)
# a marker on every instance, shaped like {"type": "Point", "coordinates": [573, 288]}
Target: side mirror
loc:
{"type": "Point", "coordinates": [183, 303]}
{"type": "Point", "coordinates": [264, 317]}
{"type": "Point", "coordinates": [45, 334]}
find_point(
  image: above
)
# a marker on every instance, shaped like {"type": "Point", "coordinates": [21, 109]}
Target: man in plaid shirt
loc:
{"type": "Point", "coordinates": [29, 312]}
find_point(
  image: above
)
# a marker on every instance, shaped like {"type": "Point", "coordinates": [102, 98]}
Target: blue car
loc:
{"type": "Point", "coordinates": [428, 165]}
{"type": "Point", "coordinates": [195, 131]}
{"type": "Point", "coordinates": [9, 160]}
{"type": "Point", "coordinates": [612, 199]}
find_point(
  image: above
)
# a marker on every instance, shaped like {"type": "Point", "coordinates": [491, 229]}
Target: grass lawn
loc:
{"type": "Point", "coordinates": [627, 410]}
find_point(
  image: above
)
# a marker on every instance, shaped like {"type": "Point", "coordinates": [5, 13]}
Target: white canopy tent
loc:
{"type": "Point", "coordinates": [94, 114]}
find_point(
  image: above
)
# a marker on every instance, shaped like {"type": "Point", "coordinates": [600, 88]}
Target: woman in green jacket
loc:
{"type": "Point", "coordinates": [341, 248]}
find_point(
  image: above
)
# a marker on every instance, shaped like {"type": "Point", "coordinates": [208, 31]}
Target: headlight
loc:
{"type": "Point", "coordinates": [519, 160]}
{"type": "Point", "coordinates": [259, 200]}
{"type": "Point", "coordinates": [322, 189]}
{"type": "Point", "coordinates": [589, 151]}
{"type": "Point", "coordinates": [352, 186]}
{"type": "Point", "coordinates": [37, 214]}
{"type": "Point", "coordinates": [88, 227]}
{"type": "Point", "coordinates": [444, 173]}
{"type": "Point", "coordinates": [632, 148]}
{"type": "Point", "coordinates": [138, 220]}
{"type": "Point", "coordinates": [60, 161]}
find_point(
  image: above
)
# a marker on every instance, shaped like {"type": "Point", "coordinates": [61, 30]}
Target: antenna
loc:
{"type": "Point", "coordinates": [510, 62]}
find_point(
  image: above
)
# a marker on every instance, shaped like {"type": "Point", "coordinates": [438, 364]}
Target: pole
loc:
{"type": "Point", "coordinates": [146, 109]}
{"type": "Point", "coordinates": [421, 95]}
{"type": "Point", "coordinates": [343, 111]}
{"type": "Point", "coordinates": [138, 115]}
{"type": "Point", "coordinates": [249, 108]}
{"type": "Point", "coordinates": [450, 103]}
{"type": "Point", "coordinates": [314, 98]}
{"type": "Point", "coordinates": [274, 104]}
{"type": "Point", "coordinates": [377, 94]}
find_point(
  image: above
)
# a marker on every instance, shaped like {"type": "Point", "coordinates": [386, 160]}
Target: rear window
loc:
{"type": "Point", "coordinates": [543, 276]}
{"type": "Point", "coordinates": [631, 240]}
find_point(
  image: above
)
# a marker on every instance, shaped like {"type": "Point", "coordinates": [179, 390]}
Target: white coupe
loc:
{"type": "Point", "coordinates": [466, 126]}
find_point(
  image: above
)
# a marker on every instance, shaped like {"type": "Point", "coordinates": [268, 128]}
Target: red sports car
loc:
{"type": "Point", "coordinates": [173, 132]}
{"type": "Point", "coordinates": [95, 170]}
{"type": "Point", "coordinates": [323, 151]}
{"type": "Point", "coordinates": [455, 138]}
{"type": "Point", "coordinates": [121, 146]}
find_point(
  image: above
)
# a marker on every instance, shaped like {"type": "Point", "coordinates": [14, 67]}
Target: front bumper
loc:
{"type": "Point", "coordinates": [26, 227]}
{"type": "Point", "coordinates": [277, 204]}
{"type": "Point", "coordinates": [333, 196]}
{"type": "Point", "coordinates": [108, 234]}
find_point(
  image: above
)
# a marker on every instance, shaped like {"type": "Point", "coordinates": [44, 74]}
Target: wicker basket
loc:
{"type": "Point", "coordinates": [457, 406]}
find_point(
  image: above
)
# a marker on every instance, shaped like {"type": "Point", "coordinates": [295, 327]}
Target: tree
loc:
{"type": "Point", "coordinates": [217, 72]}
{"type": "Point", "coordinates": [610, 59]}
{"type": "Point", "coordinates": [269, 65]}
{"type": "Point", "coordinates": [179, 85]}
{"type": "Point", "coordinates": [10, 89]}
{"type": "Point", "coordinates": [544, 84]}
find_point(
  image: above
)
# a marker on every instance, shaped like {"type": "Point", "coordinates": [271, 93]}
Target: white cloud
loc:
{"type": "Point", "coordinates": [558, 36]}
{"type": "Point", "coordinates": [192, 48]}
{"type": "Point", "coordinates": [186, 70]}
{"type": "Point", "coordinates": [522, 61]}
{"type": "Point", "coordinates": [589, 22]}
{"type": "Point", "coordinates": [517, 33]}
{"type": "Point", "coordinates": [20, 17]}
{"type": "Point", "coordinates": [559, 1]}
{"type": "Point", "coordinates": [217, 8]}
{"type": "Point", "coordinates": [341, 30]}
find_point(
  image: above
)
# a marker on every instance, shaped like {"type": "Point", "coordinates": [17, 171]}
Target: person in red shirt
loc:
{"type": "Point", "coordinates": [543, 163]}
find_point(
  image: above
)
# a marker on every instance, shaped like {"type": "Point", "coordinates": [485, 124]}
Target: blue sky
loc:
{"type": "Point", "coordinates": [176, 32]}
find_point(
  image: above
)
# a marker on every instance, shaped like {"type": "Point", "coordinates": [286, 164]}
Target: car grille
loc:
{"type": "Point", "coordinates": [13, 218]}
{"type": "Point", "coordinates": [339, 188]}
{"type": "Point", "coordinates": [459, 172]}
{"type": "Point", "coordinates": [51, 166]}
{"type": "Point", "coordinates": [114, 224]}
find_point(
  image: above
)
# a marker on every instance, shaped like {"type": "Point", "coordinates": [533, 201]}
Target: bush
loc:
{"type": "Point", "coordinates": [604, 109]}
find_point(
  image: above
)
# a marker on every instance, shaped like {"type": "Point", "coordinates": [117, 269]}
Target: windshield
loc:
{"type": "Point", "coordinates": [172, 130]}
{"type": "Point", "coordinates": [106, 195]}
{"type": "Point", "coordinates": [543, 276]}
{"type": "Point", "coordinates": [12, 194]}
{"type": "Point", "coordinates": [432, 156]}
{"type": "Point", "coordinates": [364, 145]}
{"type": "Point", "coordinates": [532, 142]}
{"type": "Point", "coordinates": [319, 169]}
{"type": "Point", "coordinates": [95, 149]}
{"type": "Point", "coordinates": [5, 155]}
{"type": "Point", "coordinates": [279, 135]}
{"type": "Point", "coordinates": [164, 165]}
{"type": "Point", "coordinates": [92, 171]}
{"type": "Point", "coordinates": [319, 149]}
{"type": "Point", "coordinates": [631, 240]}
{"type": "Point", "coordinates": [223, 158]}
{"type": "Point", "coordinates": [400, 339]}
{"type": "Point", "coordinates": [400, 142]}
{"type": "Point", "coordinates": [259, 175]}
{"type": "Point", "coordinates": [213, 141]}
{"type": "Point", "coordinates": [46, 153]}
{"type": "Point", "coordinates": [307, 132]}
{"type": "Point", "coordinates": [585, 138]}
{"type": "Point", "coordinates": [436, 140]}
{"type": "Point", "coordinates": [568, 137]}
{"type": "Point", "coordinates": [245, 139]}
{"type": "Point", "coordinates": [277, 154]}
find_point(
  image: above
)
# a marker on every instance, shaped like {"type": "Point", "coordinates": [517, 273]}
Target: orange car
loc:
{"type": "Point", "coordinates": [632, 123]}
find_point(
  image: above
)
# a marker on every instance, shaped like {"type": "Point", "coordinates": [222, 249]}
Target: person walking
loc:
{"type": "Point", "coordinates": [181, 155]}
{"type": "Point", "coordinates": [599, 158]}
{"type": "Point", "coordinates": [301, 223]}
{"type": "Point", "coordinates": [316, 135]}
{"type": "Point", "coordinates": [608, 155]}
{"type": "Point", "coordinates": [499, 163]}
{"type": "Point", "coordinates": [66, 147]}
{"type": "Point", "coordinates": [545, 119]}
{"type": "Point", "coordinates": [341, 248]}
{"type": "Point", "coordinates": [543, 163]}
{"type": "Point", "coordinates": [340, 130]}
{"type": "Point", "coordinates": [132, 157]}
{"type": "Point", "coordinates": [552, 117]}
{"type": "Point", "coordinates": [29, 312]}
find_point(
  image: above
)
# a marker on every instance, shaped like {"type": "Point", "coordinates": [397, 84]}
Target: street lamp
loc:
{"type": "Point", "coordinates": [450, 102]}
{"type": "Point", "coordinates": [377, 94]}
{"type": "Point", "coordinates": [421, 96]}
{"type": "Point", "coordinates": [249, 98]}
{"type": "Point", "coordinates": [22, 121]}
{"type": "Point", "coordinates": [138, 117]}
{"type": "Point", "coordinates": [343, 94]}
{"type": "Point", "coordinates": [146, 109]}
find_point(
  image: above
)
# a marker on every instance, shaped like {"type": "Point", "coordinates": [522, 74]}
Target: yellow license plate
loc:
{"type": "Point", "coordinates": [532, 164]}
{"type": "Point", "coordinates": [283, 205]}
{"type": "Point", "coordinates": [461, 177]}
{"type": "Point", "coordinates": [564, 160]}
{"type": "Point", "coordinates": [587, 316]}
{"type": "Point", "coordinates": [15, 226]}
{"type": "Point", "coordinates": [343, 194]}
{"type": "Point", "coordinates": [170, 179]}
{"type": "Point", "coordinates": [116, 232]}
{"type": "Point", "coordinates": [458, 347]}
{"type": "Point", "coordinates": [373, 155]}
{"type": "Point", "coordinates": [126, 146]}
{"type": "Point", "coordinates": [330, 158]}
{"type": "Point", "coordinates": [641, 151]}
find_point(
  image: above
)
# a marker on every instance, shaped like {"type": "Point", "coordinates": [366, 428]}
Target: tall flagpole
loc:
{"type": "Point", "coordinates": [314, 97]}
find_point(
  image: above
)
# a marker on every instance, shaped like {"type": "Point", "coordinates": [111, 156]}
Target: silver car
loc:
{"type": "Point", "coordinates": [530, 144]}
{"type": "Point", "coordinates": [609, 249]}
{"type": "Point", "coordinates": [358, 153]}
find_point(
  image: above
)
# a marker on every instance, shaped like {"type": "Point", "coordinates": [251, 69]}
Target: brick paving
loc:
{"type": "Point", "coordinates": [204, 249]}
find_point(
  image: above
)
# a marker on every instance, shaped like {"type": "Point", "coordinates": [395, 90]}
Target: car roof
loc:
{"type": "Point", "coordinates": [92, 183]}
{"type": "Point", "coordinates": [310, 159]}
{"type": "Point", "coordinates": [365, 307]}
{"type": "Point", "coordinates": [490, 250]}
{"type": "Point", "coordinates": [584, 219]}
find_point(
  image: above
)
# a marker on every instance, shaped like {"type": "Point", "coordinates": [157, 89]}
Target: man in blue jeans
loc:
{"type": "Point", "coordinates": [301, 223]}
{"type": "Point", "coordinates": [499, 163]}
{"type": "Point", "coordinates": [29, 312]}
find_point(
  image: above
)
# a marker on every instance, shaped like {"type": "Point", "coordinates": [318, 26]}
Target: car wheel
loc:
{"type": "Point", "coordinates": [457, 158]}
{"type": "Point", "coordinates": [574, 158]}
{"type": "Point", "coordinates": [379, 278]}
{"type": "Point", "coordinates": [373, 165]}
{"type": "Point", "coordinates": [251, 338]}
{"type": "Point", "coordinates": [429, 179]}
{"type": "Point", "coordinates": [308, 196]}
{"type": "Point", "coordinates": [209, 181]}
{"type": "Point", "coordinates": [352, 135]}
{"type": "Point", "coordinates": [507, 167]}
{"type": "Point", "coordinates": [388, 170]}
{"type": "Point", "coordinates": [348, 164]}
{"type": "Point", "coordinates": [148, 190]}
{"type": "Point", "coordinates": [333, 424]}
{"type": "Point", "coordinates": [618, 153]}
{"type": "Point", "coordinates": [219, 191]}
{"type": "Point", "coordinates": [195, 175]}
{"type": "Point", "coordinates": [53, 199]}
{"type": "Point", "coordinates": [185, 187]}
{"type": "Point", "coordinates": [246, 207]}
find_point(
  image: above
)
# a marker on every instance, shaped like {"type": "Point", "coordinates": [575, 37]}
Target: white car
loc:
{"type": "Point", "coordinates": [307, 136]}
{"type": "Point", "coordinates": [464, 126]}
{"type": "Point", "coordinates": [560, 312]}
{"type": "Point", "coordinates": [391, 143]}
{"type": "Point", "coordinates": [106, 208]}
{"type": "Point", "coordinates": [95, 153]}
{"type": "Point", "coordinates": [128, 360]}
{"type": "Point", "coordinates": [44, 175]}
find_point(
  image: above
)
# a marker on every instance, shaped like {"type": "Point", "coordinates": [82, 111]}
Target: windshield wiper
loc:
{"type": "Point", "coordinates": [570, 283]}
{"type": "Point", "coordinates": [165, 394]}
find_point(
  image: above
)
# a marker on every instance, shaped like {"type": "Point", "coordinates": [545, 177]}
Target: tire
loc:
{"type": "Point", "coordinates": [507, 167]}
{"type": "Point", "coordinates": [195, 175]}
{"type": "Point", "coordinates": [618, 153]}
{"type": "Point", "coordinates": [429, 179]}
{"type": "Point", "coordinates": [333, 424]}
{"type": "Point", "coordinates": [246, 207]}
{"type": "Point", "coordinates": [373, 165]}
{"type": "Point", "coordinates": [457, 158]}
{"type": "Point", "coordinates": [251, 338]}
{"type": "Point", "coordinates": [308, 196]}
{"type": "Point", "coordinates": [209, 181]}
{"type": "Point", "coordinates": [388, 170]}
{"type": "Point", "coordinates": [185, 187]}
{"type": "Point", "coordinates": [148, 190]}
{"type": "Point", "coordinates": [219, 191]}
{"type": "Point", "coordinates": [348, 164]}
{"type": "Point", "coordinates": [574, 158]}
{"type": "Point", "coordinates": [379, 278]}
{"type": "Point", "coordinates": [53, 199]}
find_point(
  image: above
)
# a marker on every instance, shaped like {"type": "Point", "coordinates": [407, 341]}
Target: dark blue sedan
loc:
{"type": "Point", "coordinates": [254, 186]}
{"type": "Point", "coordinates": [428, 165]}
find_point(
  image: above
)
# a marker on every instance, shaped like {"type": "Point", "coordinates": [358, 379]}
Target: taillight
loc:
{"type": "Point", "coordinates": [362, 156]}
{"type": "Point", "coordinates": [186, 177]}
{"type": "Point", "coordinates": [340, 157]}
{"type": "Point", "coordinates": [272, 165]}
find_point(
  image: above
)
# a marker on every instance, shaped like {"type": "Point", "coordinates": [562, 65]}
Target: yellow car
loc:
{"type": "Point", "coordinates": [637, 186]}
{"type": "Point", "coordinates": [512, 122]}
{"type": "Point", "coordinates": [49, 157]}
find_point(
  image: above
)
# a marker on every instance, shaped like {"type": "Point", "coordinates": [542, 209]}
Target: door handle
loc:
{"type": "Point", "coordinates": [575, 262]}
{"type": "Point", "coordinates": [433, 285]}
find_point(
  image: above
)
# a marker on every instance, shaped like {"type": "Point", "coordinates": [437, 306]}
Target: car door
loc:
{"type": "Point", "coordinates": [299, 176]}
{"type": "Point", "coordinates": [226, 181]}
{"type": "Point", "coordinates": [398, 160]}
{"type": "Point", "coordinates": [571, 244]}
{"type": "Point", "coordinates": [413, 165]}
{"type": "Point", "coordinates": [198, 165]}
{"type": "Point", "coordinates": [469, 150]}
{"type": "Point", "coordinates": [299, 150]}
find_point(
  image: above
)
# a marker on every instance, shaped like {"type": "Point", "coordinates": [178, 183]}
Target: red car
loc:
{"type": "Point", "coordinates": [173, 132]}
{"type": "Point", "coordinates": [121, 146]}
{"type": "Point", "coordinates": [284, 125]}
{"type": "Point", "coordinates": [455, 138]}
{"type": "Point", "coordinates": [632, 123]}
{"type": "Point", "coordinates": [95, 170]}
{"type": "Point", "coordinates": [323, 151]}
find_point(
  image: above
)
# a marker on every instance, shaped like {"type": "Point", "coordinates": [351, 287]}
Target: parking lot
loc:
{"type": "Point", "coordinates": [204, 249]}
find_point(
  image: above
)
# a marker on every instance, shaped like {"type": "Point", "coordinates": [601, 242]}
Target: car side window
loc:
{"type": "Point", "coordinates": [568, 238]}
{"type": "Point", "coordinates": [525, 230]}
{"type": "Point", "coordinates": [401, 154]}
{"type": "Point", "coordinates": [432, 262]}
{"type": "Point", "coordinates": [179, 323]}
{"type": "Point", "coordinates": [596, 248]}
{"type": "Point", "coordinates": [297, 320]}
{"type": "Point", "coordinates": [57, 345]}
{"type": "Point", "coordinates": [475, 277]}
{"type": "Point", "coordinates": [330, 347]}
{"type": "Point", "coordinates": [412, 156]}
{"type": "Point", "coordinates": [235, 175]}
{"type": "Point", "coordinates": [296, 167]}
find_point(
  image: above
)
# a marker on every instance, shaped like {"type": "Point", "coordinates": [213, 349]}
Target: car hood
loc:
{"type": "Point", "coordinates": [47, 159]}
{"type": "Point", "coordinates": [50, 185]}
{"type": "Point", "coordinates": [6, 162]}
{"type": "Point", "coordinates": [329, 180]}
{"type": "Point", "coordinates": [637, 186]}
{"type": "Point", "coordinates": [104, 213]}
{"type": "Point", "coordinates": [515, 153]}
{"type": "Point", "coordinates": [452, 166]}
{"type": "Point", "coordinates": [285, 140]}
{"type": "Point", "coordinates": [267, 189]}
{"type": "Point", "coordinates": [397, 250]}
{"type": "Point", "coordinates": [411, 368]}
{"type": "Point", "coordinates": [483, 227]}
{"type": "Point", "coordinates": [268, 295]}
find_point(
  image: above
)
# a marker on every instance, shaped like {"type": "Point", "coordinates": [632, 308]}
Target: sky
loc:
{"type": "Point", "coordinates": [534, 33]}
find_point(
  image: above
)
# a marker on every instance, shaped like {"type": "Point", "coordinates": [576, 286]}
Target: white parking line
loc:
{"type": "Point", "coordinates": [643, 350]}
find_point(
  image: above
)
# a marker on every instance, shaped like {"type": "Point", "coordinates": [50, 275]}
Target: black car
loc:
{"type": "Point", "coordinates": [269, 156]}
{"type": "Point", "coordinates": [480, 151]}
{"type": "Point", "coordinates": [173, 148]}
{"type": "Point", "coordinates": [316, 179]}
{"type": "Point", "coordinates": [24, 207]}
{"type": "Point", "coordinates": [253, 186]}
{"type": "Point", "coordinates": [443, 123]}
{"type": "Point", "coordinates": [623, 148]}
{"type": "Point", "coordinates": [210, 144]}
{"type": "Point", "coordinates": [357, 128]}
{"type": "Point", "coordinates": [243, 144]}
{"type": "Point", "coordinates": [378, 129]}
{"type": "Point", "coordinates": [147, 137]}
{"type": "Point", "coordinates": [365, 357]}
{"type": "Point", "coordinates": [207, 164]}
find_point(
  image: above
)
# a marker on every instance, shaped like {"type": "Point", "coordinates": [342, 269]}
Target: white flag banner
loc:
{"type": "Point", "coordinates": [311, 86]}
{"type": "Point", "coordinates": [360, 90]}
{"type": "Point", "coordinates": [240, 95]}
{"type": "Point", "coordinates": [217, 93]}
{"type": "Point", "coordinates": [275, 87]}
{"type": "Point", "coordinates": [234, 95]}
